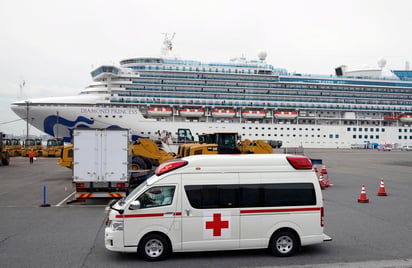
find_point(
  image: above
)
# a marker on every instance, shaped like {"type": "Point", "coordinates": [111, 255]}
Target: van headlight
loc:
{"type": "Point", "coordinates": [116, 225]}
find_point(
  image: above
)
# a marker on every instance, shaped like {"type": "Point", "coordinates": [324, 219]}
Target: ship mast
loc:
{"type": "Point", "coordinates": [167, 44]}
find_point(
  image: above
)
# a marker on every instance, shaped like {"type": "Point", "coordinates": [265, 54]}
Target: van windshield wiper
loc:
{"type": "Point", "coordinates": [113, 202]}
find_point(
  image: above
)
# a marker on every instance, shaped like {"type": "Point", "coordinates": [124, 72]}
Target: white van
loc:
{"type": "Point", "coordinates": [220, 202]}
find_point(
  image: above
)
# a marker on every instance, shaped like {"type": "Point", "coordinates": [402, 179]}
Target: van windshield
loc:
{"type": "Point", "coordinates": [135, 191]}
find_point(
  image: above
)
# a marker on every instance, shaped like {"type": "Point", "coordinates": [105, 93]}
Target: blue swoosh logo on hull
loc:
{"type": "Point", "coordinates": [80, 122]}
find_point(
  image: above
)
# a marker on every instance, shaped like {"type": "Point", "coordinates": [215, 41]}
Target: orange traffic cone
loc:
{"type": "Point", "coordinates": [362, 197]}
{"type": "Point", "coordinates": [321, 182]}
{"type": "Point", "coordinates": [326, 179]}
{"type": "Point", "coordinates": [382, 191]}
{"type": "Point", "coordinates": [323, 170]}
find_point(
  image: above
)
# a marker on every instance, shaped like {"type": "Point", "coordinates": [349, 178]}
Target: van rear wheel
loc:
{"type": "Point", "coordinates": [154, 247]}
{"type": "Point", "coordinates": [283, 244]}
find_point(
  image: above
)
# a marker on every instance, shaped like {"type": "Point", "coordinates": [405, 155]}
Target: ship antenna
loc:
{"type": "Point", "coordinates": [22, 84]}
{"type": "Point", "coordinates": [167, 44]}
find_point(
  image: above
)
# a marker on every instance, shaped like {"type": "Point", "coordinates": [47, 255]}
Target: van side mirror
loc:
{"type": "Point", "coordinates": [134, 205]}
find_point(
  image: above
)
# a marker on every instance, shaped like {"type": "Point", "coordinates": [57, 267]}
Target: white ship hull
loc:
{"type": "Point", "coordinates": [166, 128]}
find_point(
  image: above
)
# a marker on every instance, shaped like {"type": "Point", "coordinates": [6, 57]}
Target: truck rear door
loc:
{"type": "Point", "coordinates": [114, 155]}
{"type": "Point", "coordinates": [100, 155]}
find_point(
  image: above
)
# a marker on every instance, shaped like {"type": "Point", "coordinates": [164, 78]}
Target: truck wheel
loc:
{"type": "Point", "coordinates": [138, 163]}
{"type": "Point", "coordinates": [154, 247]}
{"type": "Point", "coordinates": [148, 163]}
{"type": "Point", "coordinates": [283, 244]}
{"type": "Point", "coordinates": [6, 160]}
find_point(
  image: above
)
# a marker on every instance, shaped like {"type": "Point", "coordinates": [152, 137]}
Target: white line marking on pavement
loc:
{"type": "Point", "coordinates": [64, 200]}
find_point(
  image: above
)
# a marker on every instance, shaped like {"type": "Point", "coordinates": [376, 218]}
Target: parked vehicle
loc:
{"type": "Point", "coordinates": [385, 147]}
{"type": "Point", "coordinates": [4, 153]}
{"type": "Point", "coordinates": [32, 144]}
{"type": "Point", "coordinates": [12, 145]}
{"type": "Point", "coordinates": [220, 202]}
{"type": "Point", "coordinates": [407, 148]}
{"type": "Point", "coordinates": [224, 143]}
{"type": "Point", "coordinates": [100, 163]}
{"type": "Point", "coordinates": [53, 148]}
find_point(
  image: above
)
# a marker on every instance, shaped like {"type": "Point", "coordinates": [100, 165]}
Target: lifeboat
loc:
{"type": "Point", "coordinates": [192, 112]}
{"type": "Point", "coordinates": [391, 118]}
{"type": "Point", "coordinates": [405, 118]}
{"type": "Point", "coordinates": [253, 114]}
{"type": "Point", "coordinates": [159, 111]}
{"type": "Point", "coordinates": [286, 114]}
{"type": "Point", "coordinates": [220, 113]}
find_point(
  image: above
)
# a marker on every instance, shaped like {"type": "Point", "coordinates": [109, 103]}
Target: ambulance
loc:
{"type": "Point", "coordinates": [220, 202]}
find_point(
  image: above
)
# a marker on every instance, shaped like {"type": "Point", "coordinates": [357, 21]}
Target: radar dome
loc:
{"type": "Point", "coordinates": [262, 55]}
{"type": "Point", "coordinates": [381, 63]}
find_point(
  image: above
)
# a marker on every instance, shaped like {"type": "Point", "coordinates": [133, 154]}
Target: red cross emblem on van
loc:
{"type": "Point", "coordinates": [217, 224]}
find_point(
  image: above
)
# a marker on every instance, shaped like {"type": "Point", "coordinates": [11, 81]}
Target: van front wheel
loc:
{"type": "Point", "coordinates": [154, 247]}
{"type": "Point", "coordinates": [283, 244]}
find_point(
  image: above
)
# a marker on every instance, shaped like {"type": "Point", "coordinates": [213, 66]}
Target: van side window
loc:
{"type": "Point", "coordinates": [157, 196]}
{"type": "Point", "coordinates": [251, 195]}
{"type": "Point", "coordinates": [212, 196]}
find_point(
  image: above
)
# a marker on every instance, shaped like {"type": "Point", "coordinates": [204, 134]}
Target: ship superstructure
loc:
{"type": "Point", "coordinates": [173, 99]}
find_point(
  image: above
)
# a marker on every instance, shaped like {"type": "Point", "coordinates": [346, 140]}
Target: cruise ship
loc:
{"type": "Point", "coordinates": [173, 100]}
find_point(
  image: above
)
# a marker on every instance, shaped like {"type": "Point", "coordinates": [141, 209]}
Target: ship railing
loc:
{"type": "Point", "coordinates": [272, 95]}
{"type": "Point", "coordinates": [266, 106]}
{"type": "Point", "coordinates": [274, 98]}
{"type": "Point", "coordinates": [267, 103]}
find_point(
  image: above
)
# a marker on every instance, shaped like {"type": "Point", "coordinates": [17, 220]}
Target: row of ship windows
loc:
{"type": "Point", "coordinates": [283, 128]}
{"type": "Point", "coordinates": [233, 88]}
{"type": "Point", "coordinates": [331, 136]}
{"type": "Point", "coordinates": [377, 129]}
{"type": "Point", "coordinates": [366, 129]}
{"type": "Point", "coordinates": [348, 129]}
{"type": "Point", "coordinates": [405, 130]}
{"type": "Point", "coordinates": [343, 101]}
{"type": "Point", "coordinates": [404, 137]}
{"type": "Point", "coordinates": [318, 129]}
{"type": "Point", "coordinates": [323, 84]}
{"type": "Point", "coordinates": [215, 69]}
{"type": "Point", "coordinates": [365, 136]}
{"type": "Point", "coordinates": [258, 84]}
{"type": "Point", "coordinates": [312, 129]}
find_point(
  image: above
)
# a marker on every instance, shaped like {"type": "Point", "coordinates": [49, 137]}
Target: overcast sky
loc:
{"type": "Point", "coordinates": [52, 45]}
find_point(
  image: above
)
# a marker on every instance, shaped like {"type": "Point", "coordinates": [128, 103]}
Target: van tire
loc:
{"type": "Point", "coordinates": [154, 247]}
{"type": "Point", "coordinates": [283, 243]}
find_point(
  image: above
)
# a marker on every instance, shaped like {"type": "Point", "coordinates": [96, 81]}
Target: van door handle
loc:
{"type": "Point", "coordinates": [168, 213]}
{"type": "Point", "coordinates": [187, 212]}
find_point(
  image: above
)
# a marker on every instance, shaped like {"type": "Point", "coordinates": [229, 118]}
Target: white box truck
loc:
{"type": "Point", "coordinates": [100, 163]}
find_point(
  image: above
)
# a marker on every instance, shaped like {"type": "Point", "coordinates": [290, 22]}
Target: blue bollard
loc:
{"type": "Point", "coordinates": [45, 197]}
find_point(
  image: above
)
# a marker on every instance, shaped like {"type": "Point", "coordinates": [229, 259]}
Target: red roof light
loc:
{"type": "Point", "coordinates": [169, 166]}
{"type": "Point", "coordinates": [299, 162]}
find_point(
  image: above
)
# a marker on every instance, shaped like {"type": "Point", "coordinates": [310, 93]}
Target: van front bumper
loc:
{"type": "Point", "coordinates": [326, 238]}
{"type": "Point", "coordinates": [113, 241]}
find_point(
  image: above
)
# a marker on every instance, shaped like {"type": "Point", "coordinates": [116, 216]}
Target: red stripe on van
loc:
{"type": "Point", "coordinates": [147, 215]}
{"type": "Point", "coordinates": [279, 210]}
{"type": "Point", "coordinates": [140, 215]}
